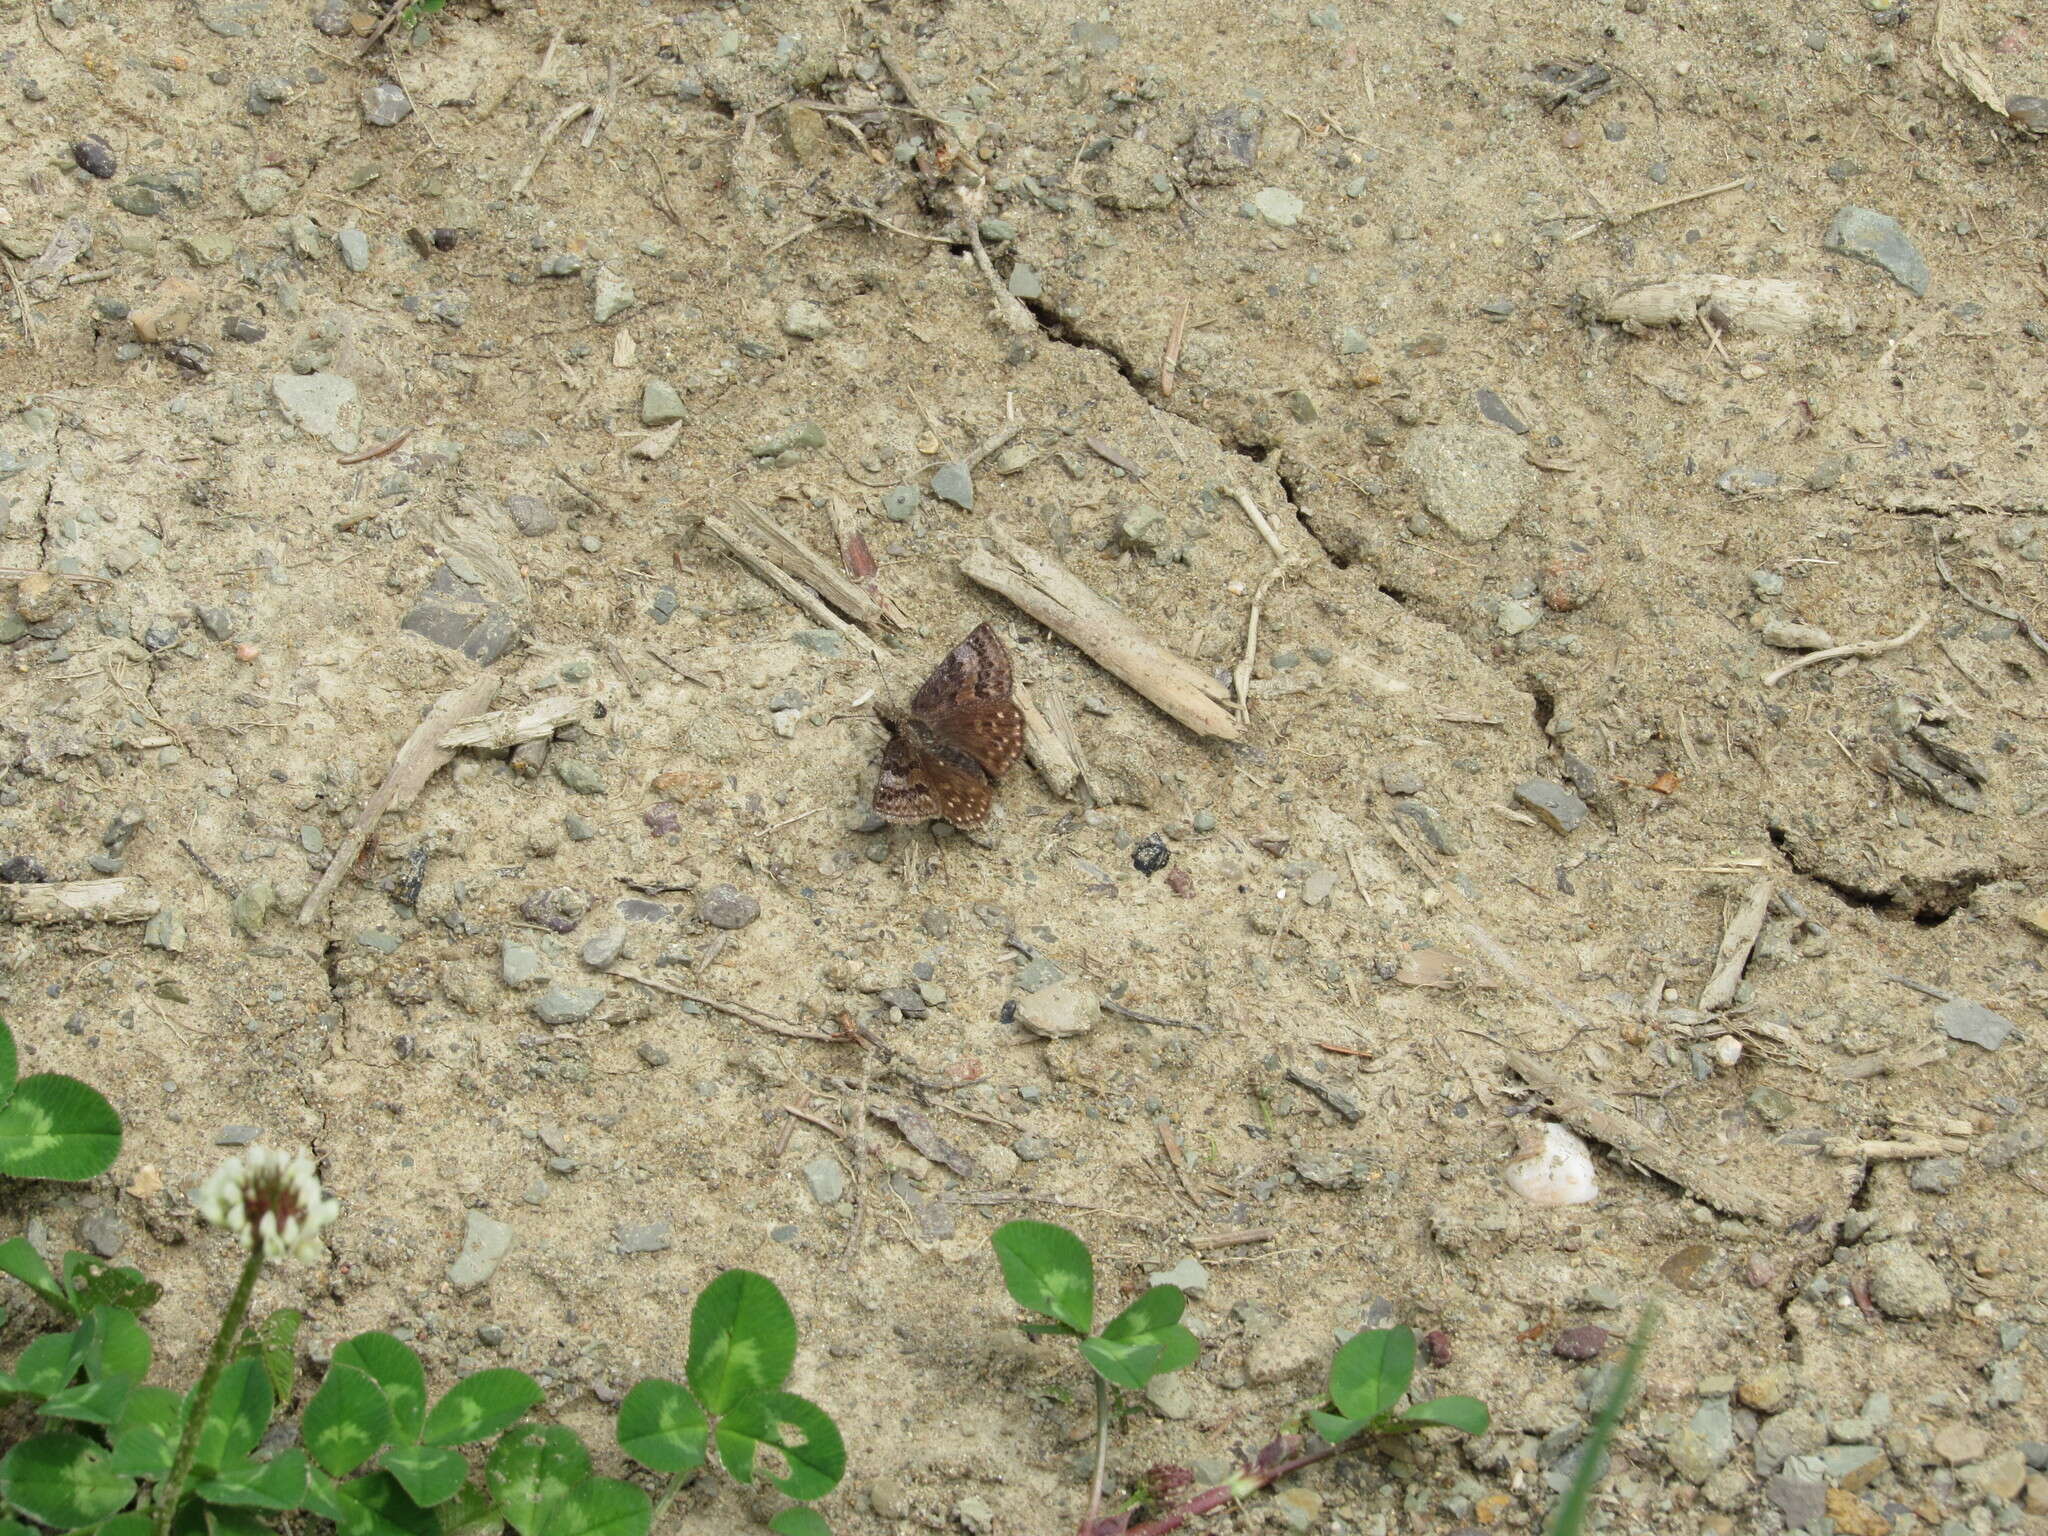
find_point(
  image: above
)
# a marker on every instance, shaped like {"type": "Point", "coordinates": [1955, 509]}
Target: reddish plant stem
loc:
{"type": "Point", "coordinates": [1248, 1481]}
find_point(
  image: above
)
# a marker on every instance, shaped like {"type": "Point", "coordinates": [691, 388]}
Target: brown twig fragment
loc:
{"type": "Point", "coordinates": [504, 728]}
{"type": "Point", "coordinates": [562, 119]}
{"type": "Point", "coordinates": [1585, 1110]}
{"type": "Point", "coordinates": [417, 761]}
{"type": "Point", "coordinates": [66, 901]}
{"type": "Point", "coordinates": [1170, 363]}
{"type": "Point", "coordinates": [1068, 606]}
{"type": "Point", "coordinates": [1736, 943]}
{"type": "Point", "coordinates": [379, 451]}
{"type": "Point", "coordinates": [764, 566]}
{"type": "Point", "coordinates": [1853, 648]}
{"type": "Point", "coordinates": [741, 1011]}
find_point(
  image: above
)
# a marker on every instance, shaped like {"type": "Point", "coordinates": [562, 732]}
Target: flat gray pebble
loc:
{"type": "Point", "coordinates": [726, 906]}
{"type": "Point", "coordinates": [485, 1242]}
{"type": "Point", "coordinates": [567, 1005]}
{"type": "Point", "coordinates": [643, 1237]}
{"type": "Point", "coordinates": [385, 104]}
{"type": "Point", "coordinates": [1876, 238]}
{"type": "Point", "coordinates": [826, 1179]}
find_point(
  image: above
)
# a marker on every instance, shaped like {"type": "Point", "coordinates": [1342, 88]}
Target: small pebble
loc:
{"type": "Point", "coordinates": [94, 157]}
{"type": "Point", "coordinates": [725, 906]}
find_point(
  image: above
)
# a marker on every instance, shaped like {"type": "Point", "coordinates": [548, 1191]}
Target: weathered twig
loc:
{"type": "Point", "coordinates": [1169, 364]}
{"type": "Point", "coordinates": [416, 762]}
{"type": "Point", "coordinates": [850, 598]}
{"type": "Point", "coordinates": [503, 728]}
{"type": "Point", "coordinates": [563, 119]}
{"type": "Point", "coordinates": [740, 1011]}
{"type": "Point", "coordinates": [1893, 1151]}
{"type": "Point", "coordinates": [1853, 648]}
{"type": "Point", "coordinates": [1585, 1110]}
{"type": "Point", "coordinates": [1609, 221]}
{"type": "Point", "coordinates": [1068, 606]}
{"type": "Point", "coordinates": [66, 901]}
{"type": "Point", "coordinates": [1241, 677]}
{"type": "Point", "coordinates": [1050, 749]}
{"type": "Point", "coordinates": [764, 566]}
{"type": "Point", "coordinates": [1982, 605]}
{"type": "Point", "coordinates": [1736, 944]}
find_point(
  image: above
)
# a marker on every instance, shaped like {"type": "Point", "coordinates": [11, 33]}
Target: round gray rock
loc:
{"type": "Point", "coordinates": [1473, 479]}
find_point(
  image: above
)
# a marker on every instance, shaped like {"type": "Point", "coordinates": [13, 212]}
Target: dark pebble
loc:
{"type": "Point", "coordinates": [1150, 856]}
{"type": "Point", "coordinates": [92, 155]}
{"type": "Point", "coordinates": [239, 329]}
{"type": "Point", "coordinates": [23, 870]}
{"type": "Point", "coordinates": [1582, 1343]}
{"type": "Point", "coordinates": [1436, 1347]}
{"type": "Point", "coordinates": [663, 818]}
{"type": "Point", "coordinates": [725, 906]}
{"type": "Point", "coordinates": [444, 239]}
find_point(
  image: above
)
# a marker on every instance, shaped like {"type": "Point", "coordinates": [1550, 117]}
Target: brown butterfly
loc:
{"type": "Point", "coordinates": [961, 734]}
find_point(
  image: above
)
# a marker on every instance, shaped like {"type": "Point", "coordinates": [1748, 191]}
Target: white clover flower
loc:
{"type": "Point", "coordinates": [271, 1195]}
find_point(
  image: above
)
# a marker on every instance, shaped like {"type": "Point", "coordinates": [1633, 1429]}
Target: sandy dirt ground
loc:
{"type": "Point", "coordinates": [1589, 364]}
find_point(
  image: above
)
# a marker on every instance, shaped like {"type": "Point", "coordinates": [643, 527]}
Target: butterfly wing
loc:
{"type": "Point", "coordinates": [923, 777]}
{"type": "Point", "coordinates": [967, 705]}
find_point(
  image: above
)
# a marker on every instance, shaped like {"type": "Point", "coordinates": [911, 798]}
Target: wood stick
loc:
{"type": "Point", "coordinates": [1736, 944]}
{"type": "Point", "coordinates": [1853, 648]}
{"type": "Point", "coordinates": [503, 728]}
{"type": "Point", "coordinates": [1068, 606]}
{"type": "Point", "coordinates": [794, 555]}
{"type": "Point", "coordinates": [1170, 363]}
{"type": "Point", "coordinates": [1046, 746]}
{"type": "Point", "coordinates": [1893, 1151]}
{"type": "Point", "coordinates": [1243, 498]}
{"type": "Point", "coordinates": [765, 567]}
{"type": "Point", "coordinates": [740, 1011]}
{"type": "Point", "coordinates": [416, 762]}
{"type": "Point", "coordinates": [1242, 675]}
{"type": "Point", "coordinates": [64, 901]}
{"type": "Point", "coordinates": [1584, 1110]}
{"type": "Point", "coordinates": [859, 561]}
{"type": "Point", "coordinates": [563, 119]}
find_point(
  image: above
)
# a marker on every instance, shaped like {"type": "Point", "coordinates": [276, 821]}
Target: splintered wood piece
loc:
{"type": "Point", "coordinates": [1584, 1110]}
{"type": "Point", "coordinates": [1736, 944]}
{"type": "Point", "coordinates": [503, 728]}
{"type": "Point", "coordinates": [1073, 610]}
{"type": "Point", "coordinates": [93, 901]}
{"type": "Point", "coordinates": [857, 558]}
{"type": "Point", "coordinates": [417, 761]}
{"type": "Point", "coordinates": [764, 566]}
{"type": "Point", "coordinates": [1050, 749]}
{"type": "Point", "coordinates": [790, 552]}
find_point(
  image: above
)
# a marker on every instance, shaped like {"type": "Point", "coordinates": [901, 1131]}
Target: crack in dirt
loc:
{"type": "Point", "coordinates": [1928, 902]}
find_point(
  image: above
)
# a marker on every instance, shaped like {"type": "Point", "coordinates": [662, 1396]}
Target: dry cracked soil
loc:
{"type": "Point", "coordinates": [1588, 365]}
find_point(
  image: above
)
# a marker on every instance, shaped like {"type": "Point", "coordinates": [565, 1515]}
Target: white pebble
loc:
{"type": "Point", "coordinates": [1553, 1168]}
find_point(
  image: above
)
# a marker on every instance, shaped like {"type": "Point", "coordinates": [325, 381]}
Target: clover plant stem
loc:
{"type": "Point", "coordinates": [1243, 1483]}
{"type": "Point", "coordinates": [172, 1488]}
{"type": "Point", "coordinates": [675, 1486]}
{"type": "Point", "coordinates": [1101, 1453]}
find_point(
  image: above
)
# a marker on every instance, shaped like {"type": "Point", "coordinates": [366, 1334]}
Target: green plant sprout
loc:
{"type": "Point", "coordinates": [117, 1457]}
{"type": "Point", "coordinates": [1048, 1270]}
{"type": "Point", "coordinates": [52, 1126]}
{"type": "Point", "coordinates": [1570, 1517]}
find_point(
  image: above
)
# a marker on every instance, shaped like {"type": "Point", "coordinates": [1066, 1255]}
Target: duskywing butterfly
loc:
{"type": "Point", "coordinates": [961, 734]}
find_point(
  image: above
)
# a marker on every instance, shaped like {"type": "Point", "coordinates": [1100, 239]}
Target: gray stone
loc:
{"type": "Point", "coordinates": [1700, 1449]}
{"type": "Point", "coordinates": [826, 1179]}
{"type": "Point", "coordinates": [252, 907]}
{"type": "Point", "coordinates": [322, 405]}
{"type": "Point", "coordinates": [1747, 480]}
{"type": "Point", "coordinates": [805, 320]}
{"type": "Point", "coordinates": [237, 1135]}
{"type": "Point", "coordinates": [1553, 804]}
{"type": "Point", "coordinates": [610, 296]}
{"type": "Point", "coordinates": [531, 516]}
{"type": "Point", "coordinates": [1795, 1432]}
{"type": "Point", "coordinates": [899, 503]}
{"type": "Point", "coordinates": [1170, 1397]}
{"type": "Point", "coordinates": [1278, 206]}
{"type": "Point", "coordinates": [1424, 821]}
{"type": "Point", "coordinates": [354, 246]}
{"type": "Point", "coordinates": [1904, 1282]}
{"type": "Point", "coordinates": [726, 906]}
{"type": "Point", "coordinates": [1877, 239]}
{"type": "Point", "coordinates": [1188, 1274]}
{"type": "Point", "coordinates": [2007, 1384]}
{"type": "Point", "coordinates": [1473, 479]}
{"type": "Point", "coordinates": [1024, 282]}
{"type": "Point", "coordinates": [1973, 1023]}
{"type": "Point", "coordinates": [261, 191]}
{"type": "Point", "coordinates": [577, 776]}
{"type": "Point", "coordinates": [642, 1237]}
{"type": "Point", "coordinates": [1514, 617]}
{"type": "Point", "coordinates": [659, 404]}
{"type": "Point", "coordinates": [955, 483]}
{"type": "Point", "coordinates": [104, 1233]}
{"type": "Point", "coordinates": [1853, 1466]}
{"type": "Point", "coordinates": [166, 931]}
{"type": "Point", "coordinates": [453, 613]}
{"type": "Point", "coordinates": [385, 104]}
{"type": "Point", "coordinates": [519, 963]}
{"type": "Point", "coordinates": [604, 948]}
{"type": "Point", "coordinates": [1059, 1011]}
{"type": "Point", "coordinates": [485, 1242]}
{"type": "Point", "coordinates": [561, 1005]}
{"type": "Point", "coordinates": [1802, 1501]}
{"type": "Point", "coordinates": [1936, 1176]}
